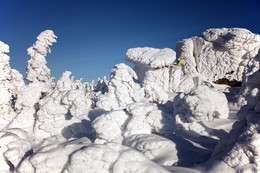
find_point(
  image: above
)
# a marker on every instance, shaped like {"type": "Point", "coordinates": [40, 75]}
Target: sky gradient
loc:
{"type": "Point", "coordinates": [94, 35]}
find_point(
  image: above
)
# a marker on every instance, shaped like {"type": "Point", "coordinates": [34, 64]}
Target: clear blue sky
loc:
{"type": "Point", "coordinates": [93, 35]}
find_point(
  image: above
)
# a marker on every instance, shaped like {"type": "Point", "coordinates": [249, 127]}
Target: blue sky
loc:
{"type": "Point", "coordinates": [93, 35]}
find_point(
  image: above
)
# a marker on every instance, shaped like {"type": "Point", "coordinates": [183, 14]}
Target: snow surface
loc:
{"type": "Point", "coordinates": [157, 117]}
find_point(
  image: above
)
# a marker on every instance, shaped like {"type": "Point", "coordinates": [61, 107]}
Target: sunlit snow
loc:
{"type": "Point", "coordinates": [155, 118]}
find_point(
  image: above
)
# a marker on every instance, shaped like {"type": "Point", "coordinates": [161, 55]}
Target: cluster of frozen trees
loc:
{"type": "Point", "coordinates": [142, 119]}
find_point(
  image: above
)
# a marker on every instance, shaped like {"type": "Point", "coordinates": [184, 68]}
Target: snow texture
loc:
{"type": "Point", "coordinates": [220, 53]}
{"type": "Point", "coordinates": [241, 148]}
{"type": "Point", "coordinates": [122, 89]}
{"type": "Point", "coordinates": [201, 104]}
{"type": "Point", "coordinates": [156, 118]}
{"type": "Point", "coordinates": [154, 67]}
{"type": "Point", "coordinates": [11, 82]}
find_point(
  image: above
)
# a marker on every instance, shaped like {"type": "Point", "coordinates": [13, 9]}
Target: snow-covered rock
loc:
{"type": "Point", "coordinates": [154, 67]}
{"type": "Point", "coordinates": [220, 53]}
{"type": "Point", "coordinates": [241, 148]}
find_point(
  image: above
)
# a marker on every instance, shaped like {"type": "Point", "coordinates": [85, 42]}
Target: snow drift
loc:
{"type": "Point", "coordinates": [156, 117]}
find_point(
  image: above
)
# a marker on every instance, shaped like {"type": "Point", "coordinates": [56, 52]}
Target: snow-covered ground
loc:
{"type": "Point", "coordinates": [157, 117]}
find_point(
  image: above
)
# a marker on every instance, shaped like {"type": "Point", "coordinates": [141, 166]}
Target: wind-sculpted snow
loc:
{"type": "Point", "coordinates": [154, 68]}
{"type": "Point", "coordinates": [39, 82]}
{"type": "Point", "coordinates": [65, 106]}
{"type": "Point", "coordinates": [122, 89]}
{"type": "Point", "coordinates": [14, 144]}
{"type": "Point", "coordinates": [150, 57]}
{"type": "Point", "coordinates": [80, 155]}
{"type": "Point", "coordinates": [154, 147]}
{"type": "Point", "coordinates": [11, 82]}
{"type": "Point", "coordinates": [241, 148]}
{"type": "Point", "coordinates": [220, 53]}
{"type": "Point", "coordinates": [139, 118]}
{"type": "Point", "coordinates": [157, 117]}
{"type": "Point", "coordinates": [37, 69]}
{"type": "Point", "coordinates": [201, 104]}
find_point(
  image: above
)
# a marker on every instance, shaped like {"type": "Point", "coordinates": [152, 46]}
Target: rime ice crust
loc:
{"type": "Point", "coordinates": [154, 67]}
{"type": "Point", "coordinates": [145, 119]}
{"type": "Point", "coordinates": [220, 53]}
{"type": "Point", "coordinates": [37, 69]}
{"type": "Point", "coordinates": [203, 103]}
{"type": "Point", "coordinates": [240, 149]}
{"type": "Point", "coordinates": [151, 58]}
{"type": "Point", "coordinates": [11, 81]}
{"type": "Point", "coordinates": [121, 90]}
{"type": "Point", "coordinates": [62, 108]}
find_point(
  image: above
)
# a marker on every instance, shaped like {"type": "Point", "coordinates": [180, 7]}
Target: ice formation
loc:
{"type": "Point", "coordinates": [220, 53]}
{"type": "Point", "coordinates": [197, 106]}
{"type": "Point", "coordinates": [241, 148]}
{"type": "Point", "coordinates": [157, 117]}
{"type": "Point", "coordinates": [65, 106]}
{"type": "Point", "coordinates": [154, 67]}
{"type": "Point", "coordinates": [11, 82]}
{"type": "Point", "coordinates": [121, 90]}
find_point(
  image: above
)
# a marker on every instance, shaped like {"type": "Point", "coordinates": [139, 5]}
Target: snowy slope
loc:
{"type": "Point", "coordinates": [157, 117]}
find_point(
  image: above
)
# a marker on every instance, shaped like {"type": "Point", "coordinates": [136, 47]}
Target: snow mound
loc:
{"type": "Point", "coordinates": [154, 147]}
{"type": "Point", "coordinates": [203, 103]}
{"type": "Point", "coordinates": [79, 155]}
{"type": "Point", "coordinates": [197, 106]}
{"type": "Point", "coordinates": [14, 144]}
{"type": "Point", "coordinates": [139, 118]}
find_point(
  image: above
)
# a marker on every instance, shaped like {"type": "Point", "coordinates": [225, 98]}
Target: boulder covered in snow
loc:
{"type": "Point", "coordinates": [154, 67]}
{"type": "Point", "coordinates": [220, 53]}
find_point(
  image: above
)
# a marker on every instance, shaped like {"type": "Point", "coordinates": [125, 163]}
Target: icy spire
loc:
{"type": "Point", "coordinates": [37, 69]}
